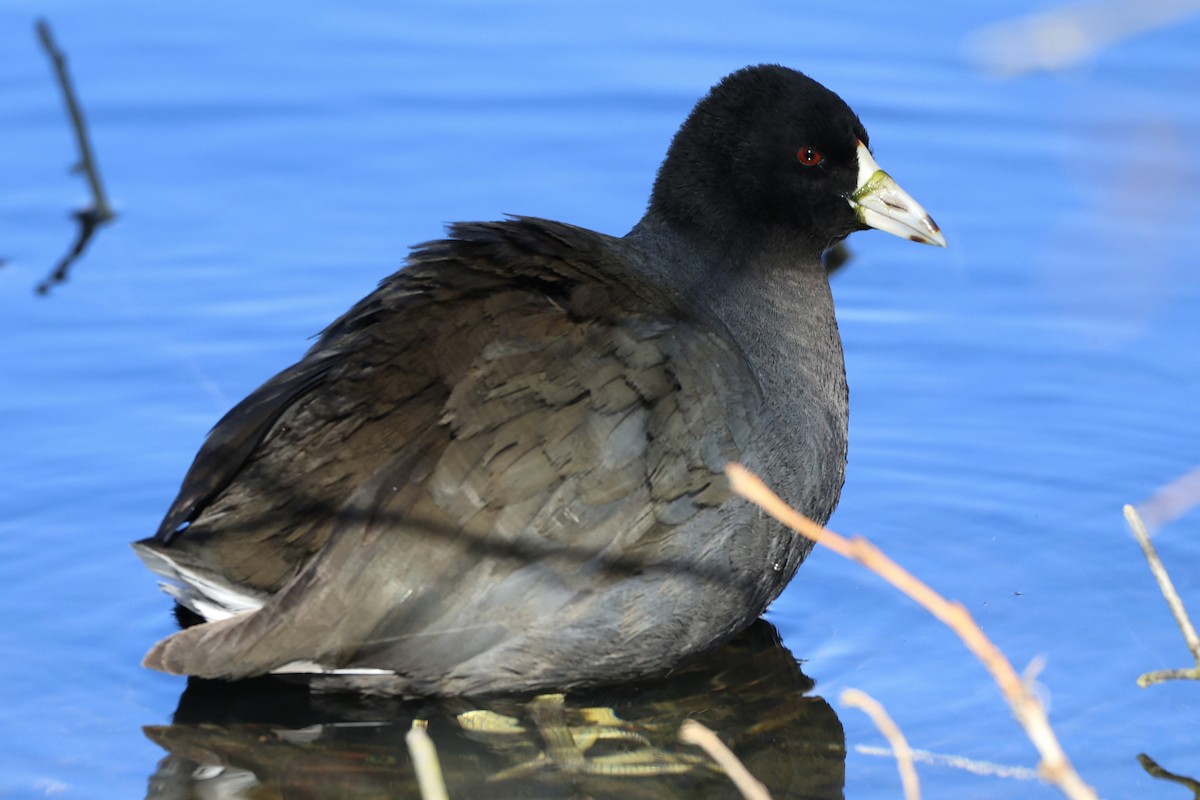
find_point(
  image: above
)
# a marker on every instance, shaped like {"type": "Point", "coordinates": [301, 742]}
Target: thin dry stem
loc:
{"type": "Point", "coordinates": [856, 698]}
{"type": "Point", "coordinates": [1171, 501]}
{"type": "Point", "coordinates": [99, 213]}
{"type": "Point", "coordinates": [1154, 770]}
{"type": "Point", "coordinates": [694, 733]}
{"type": "Point", "coordinates": [1061, 37]}
{"type": "Point", "coordinates": [425, 762]}
{"type": "Point", "coordinates": [1164, 675]}
{"type": "Point", "coordinates": [1165, 585]}
{"type": "Point", "coordinates": [87, 160]}
{"type": "Point", "coordinates": [1055, 766]}
{"type": "Point", "coordinates": [971, 765]}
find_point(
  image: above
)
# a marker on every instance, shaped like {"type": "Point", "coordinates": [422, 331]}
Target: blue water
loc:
{"type": "Point", "coordinates": [271, 162]}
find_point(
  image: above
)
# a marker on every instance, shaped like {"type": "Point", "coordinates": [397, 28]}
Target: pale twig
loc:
{"type": "Point", "coordinates": [694, 733]}
{"type": "Point", "coordinates": [856, 698]}
{"type": "Point", "coordinates": [1063, 36]}
{"type": "Point", "coordinates": [425, 762]}
{"type": "Point", "coordinates": [1173, 602]}
{"type": "Point", "coordinates": [1055, 766]}
{"type": "Point", "coordinates": [1171, 501]}
{"type": "Point", "coordinates": [971, 765]}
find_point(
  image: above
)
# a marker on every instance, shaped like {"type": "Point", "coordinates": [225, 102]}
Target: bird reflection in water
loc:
{"type": "Point", "coordinates": [269, 738]}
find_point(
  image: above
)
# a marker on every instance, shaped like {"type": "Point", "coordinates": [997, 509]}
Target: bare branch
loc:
{"type": "Point", "coordinates": [1167, 587]}
{"type": "Point", "coordinates": [99, 212]}
{"type": "Point", "coordinates": [856, 698]}
{"type": "Point", "coordinates": [1055, 766]}
{"type": "Point", "coordinates": [1154, 770]}
{"type": "Point", "coordinates": [694, 733]}
{"type": "Point", "coordinates": [100, 208]}
{"type": "Point", "coordinates": [1171, 501]}
{"type": "Point", "coordinates": [425, 762]}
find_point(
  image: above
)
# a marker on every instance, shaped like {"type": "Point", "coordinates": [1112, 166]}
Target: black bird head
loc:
{"type": "Point", "coordinates": [771, 154]}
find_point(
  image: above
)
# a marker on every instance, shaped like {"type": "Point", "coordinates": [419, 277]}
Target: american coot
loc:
{"type": "Point", "coordinates": [502, 469]}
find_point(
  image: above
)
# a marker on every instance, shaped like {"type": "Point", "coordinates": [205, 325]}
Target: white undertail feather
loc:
{"type": "Point", "coordinates": [210, 599]}
{"type": "Point", "coordinates": [215, 601]}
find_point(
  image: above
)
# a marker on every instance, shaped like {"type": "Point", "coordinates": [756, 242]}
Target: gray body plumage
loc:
{"type": "Point", "coordinates": [503, 469]}
{"type": "Point", "coordinates": [543, 503]}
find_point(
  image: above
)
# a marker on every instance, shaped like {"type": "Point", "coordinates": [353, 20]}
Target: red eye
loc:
{"type": "Point", "coordinates": [808, 156]}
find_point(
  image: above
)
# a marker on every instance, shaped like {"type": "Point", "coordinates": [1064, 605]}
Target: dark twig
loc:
{"type": "Point", "coordinates": [87, 225]}
{"type": "Point", "coordinates": [1154, 770]}
{"type": "Point", "coordinates": [100, 209]}
{"type": "Point", "coordinates": [1167, 587]}
{"type": "Point", "coordinates": [99, 212]}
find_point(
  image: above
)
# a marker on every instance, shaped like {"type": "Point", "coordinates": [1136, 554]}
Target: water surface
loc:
{"type": "Point", "coordinates": [270, 163]}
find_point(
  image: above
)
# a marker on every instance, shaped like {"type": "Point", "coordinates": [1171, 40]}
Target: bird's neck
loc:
{"type": "Point", "coordinates": [773, 299]}
{"type": "Point", "coordinates": [777, 306]}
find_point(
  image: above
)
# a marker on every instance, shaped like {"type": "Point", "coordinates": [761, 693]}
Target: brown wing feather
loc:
{"type": "Point", "coordinates": [505, 449]}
